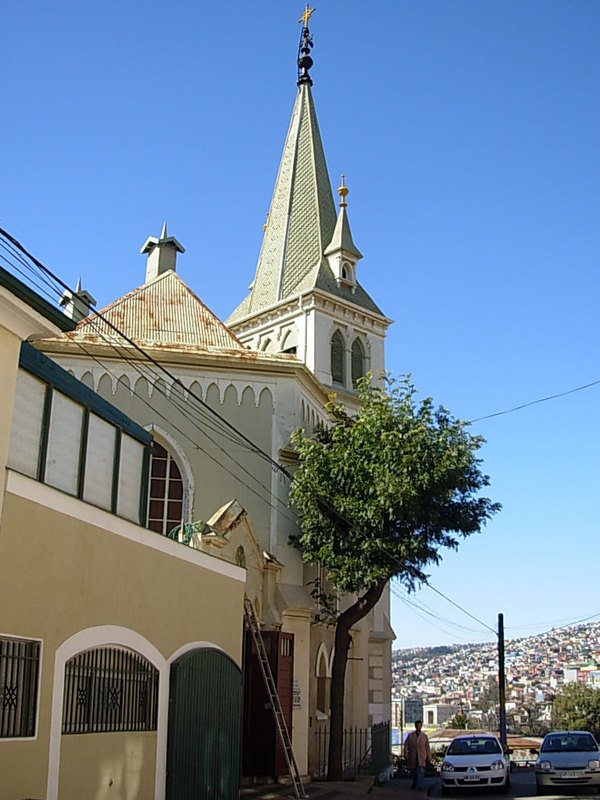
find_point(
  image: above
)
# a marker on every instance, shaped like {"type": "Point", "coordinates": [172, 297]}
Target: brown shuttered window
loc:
{"type": "Point", "coordinates": [358, 362]}
{"type": "Point", "coordinates": [337, 358]}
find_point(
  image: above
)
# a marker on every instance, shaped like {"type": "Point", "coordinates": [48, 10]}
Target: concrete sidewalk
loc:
{"type": "Point", "coordinates": [362, 786]}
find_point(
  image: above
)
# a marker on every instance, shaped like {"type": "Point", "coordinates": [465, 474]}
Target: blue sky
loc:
{"type": "Point", "coordinates": [469, 135]}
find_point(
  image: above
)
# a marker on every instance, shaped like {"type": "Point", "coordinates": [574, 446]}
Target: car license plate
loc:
{"type": "Point", "coordinates": [471, 777]}
{"type": "Point", "coordinates": [571, 775]}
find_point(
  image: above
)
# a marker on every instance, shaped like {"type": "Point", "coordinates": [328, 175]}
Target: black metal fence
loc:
{"type": "Point", "coordinates": [19, 667]}
{"type": "Point", "coordinates": [109, 689]}
{"type": "Point", "coordinates": [364, 750]}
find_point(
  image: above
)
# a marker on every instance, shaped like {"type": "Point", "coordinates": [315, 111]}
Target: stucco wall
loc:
{"type": "Point", "coordinates": [125, 770]}
{"type": "Point", "coordinates": [62, 575]}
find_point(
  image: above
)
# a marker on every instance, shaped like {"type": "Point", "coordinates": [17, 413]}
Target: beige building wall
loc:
{"type": "Point", "coordinates": [70, 568]}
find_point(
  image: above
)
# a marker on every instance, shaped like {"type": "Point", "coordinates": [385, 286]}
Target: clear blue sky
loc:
{"type": "Point", "coordinates": [469, 134]}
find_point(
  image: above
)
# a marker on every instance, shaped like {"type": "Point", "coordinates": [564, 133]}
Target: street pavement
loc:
{"type": "Point", "coordinates": [523, 786]}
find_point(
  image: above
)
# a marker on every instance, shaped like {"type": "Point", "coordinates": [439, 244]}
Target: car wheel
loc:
{"type": "Point", "coordinates": [505, 789]}
{"type": "Point", "coordinates": [445, 791]}
{"type": "Point", "coordinates": [540, 789]}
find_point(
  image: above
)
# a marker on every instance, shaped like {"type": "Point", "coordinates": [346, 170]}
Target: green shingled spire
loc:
{"type": "Point", "coordinates": [301, 222]}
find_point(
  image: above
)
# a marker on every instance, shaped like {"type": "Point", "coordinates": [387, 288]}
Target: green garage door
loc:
{"type": "Point", "coordinates": [205, 724]}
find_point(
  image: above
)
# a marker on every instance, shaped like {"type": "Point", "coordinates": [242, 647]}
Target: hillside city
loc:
{"type": "Point", "coordinates": [435, 684]}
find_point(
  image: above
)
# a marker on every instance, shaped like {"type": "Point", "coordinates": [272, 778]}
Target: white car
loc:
{"type": "Point", "coordinates": [474, 762]}
{"type": "Point", "coordinates": [568, 759]}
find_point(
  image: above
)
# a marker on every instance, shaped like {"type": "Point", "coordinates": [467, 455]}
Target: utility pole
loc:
{"type": "Point", "coordinates": [501, 682]}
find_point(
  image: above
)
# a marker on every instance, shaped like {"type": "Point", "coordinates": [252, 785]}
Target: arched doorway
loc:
{"type": "Point", "coordinates": [205, 725]}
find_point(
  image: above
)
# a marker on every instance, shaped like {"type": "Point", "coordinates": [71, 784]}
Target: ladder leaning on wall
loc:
{"type": "Point", "coordinates": [267, 673]}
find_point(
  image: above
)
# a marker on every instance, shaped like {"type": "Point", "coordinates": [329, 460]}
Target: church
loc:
{"type": "Point", "coordinates": [218, 402]}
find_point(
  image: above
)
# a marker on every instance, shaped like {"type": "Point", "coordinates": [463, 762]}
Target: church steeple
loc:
{"type": "Point", "coordinates": [301, 219]}
{"type": "Point", "coordinates": [305, 285]}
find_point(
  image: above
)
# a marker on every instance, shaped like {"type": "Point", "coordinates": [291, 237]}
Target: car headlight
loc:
{"type": "Point", "coordinates": [498, 764]}
{"type": "Point", "coordinates": [594, 764]}
{"type": "Point", "coordinates": [544, 765]}
{"type": "Point", "coordinates": [447, 766]}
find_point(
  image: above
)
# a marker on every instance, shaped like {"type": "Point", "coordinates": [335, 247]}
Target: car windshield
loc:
{"type": "Point", "coordinates": [569, 742]}
{"type": "Point", "coordinates": [474, 746]}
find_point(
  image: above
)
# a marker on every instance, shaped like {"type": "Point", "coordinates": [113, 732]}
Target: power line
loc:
{"type": "Point", "coordinates": [250, 444]}
{"type": "Point", "coordinates": [536, 402]}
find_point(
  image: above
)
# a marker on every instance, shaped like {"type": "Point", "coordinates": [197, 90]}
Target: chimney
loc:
{"type": "Point", "coordinates": [77, 304]}
{"type": "Point", "coordinates": [162, 254]}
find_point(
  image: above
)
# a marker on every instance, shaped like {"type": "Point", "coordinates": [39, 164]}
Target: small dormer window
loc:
{"type": "Point", "coordinates": [344, 273]}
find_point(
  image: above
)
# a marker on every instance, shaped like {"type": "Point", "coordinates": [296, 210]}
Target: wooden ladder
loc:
{"type": "Point", "coordinates": [267, 674]}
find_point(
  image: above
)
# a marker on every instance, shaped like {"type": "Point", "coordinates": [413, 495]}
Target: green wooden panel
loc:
{"type": "Point", "coordinates": [205, 725]}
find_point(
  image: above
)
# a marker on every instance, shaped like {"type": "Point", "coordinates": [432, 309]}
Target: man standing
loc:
{"type": "Point", "coordinates": [417, 755]}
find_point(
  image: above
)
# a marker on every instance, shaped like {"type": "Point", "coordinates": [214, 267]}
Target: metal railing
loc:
{"type": "Point", "coordinates": [364, 750]}
{"type": "Point", "coordinates": [19, 666]}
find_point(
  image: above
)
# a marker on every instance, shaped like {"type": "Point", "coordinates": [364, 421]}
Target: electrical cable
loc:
{"type": "Point", "coordinates": [536, 402]}
{"type": "Point", "coordinates": [253, 447]}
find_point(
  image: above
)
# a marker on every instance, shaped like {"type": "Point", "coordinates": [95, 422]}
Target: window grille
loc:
{"type": "Point", "coordinates": [358, 362]}
{"type": "Point", "coordinates": [337, 358]}
{"type": "Point", "coordinates": [109, 689]}
{"type": "Point", "coordinates": [19, 667]}
{"type": "Point", "coordinates": [165, 501]}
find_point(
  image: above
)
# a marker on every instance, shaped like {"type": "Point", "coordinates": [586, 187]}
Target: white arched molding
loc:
{"type": "Point", "coordinates": [106, 636]}
{"type": "Point", "coordinates": [323, 681]}
{"type": "Point", "coordinates": [183, 463]}
{"type": "Point", "coordinates": [323, 660]}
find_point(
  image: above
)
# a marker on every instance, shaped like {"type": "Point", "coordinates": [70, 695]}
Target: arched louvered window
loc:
{"type": "Point", "coordinates": [165, 500]}
{"type": "Point", "coordinates": [358, 362]}
{"type": "Point", "coordinates": [337, 358]}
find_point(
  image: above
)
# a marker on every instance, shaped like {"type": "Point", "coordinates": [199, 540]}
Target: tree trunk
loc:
{"type": "Point", "coordinates": [345, 621]}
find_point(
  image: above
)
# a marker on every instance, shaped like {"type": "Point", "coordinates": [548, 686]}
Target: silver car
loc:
{"type": "Point", "coordinates": [474, 762]}
{"type": "Point", "coordinates": [569, 759]}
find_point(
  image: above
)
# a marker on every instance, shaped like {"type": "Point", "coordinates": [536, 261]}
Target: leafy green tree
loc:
{"type": "Point", "coordinates": [459, 722]}
{"type": "Point", "coordinates": [379, 493]}
{"type": "Point", "coordinates": [576, 707]}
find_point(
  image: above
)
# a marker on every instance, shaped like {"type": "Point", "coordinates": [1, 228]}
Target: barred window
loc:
{"type": "Point", "coordinates": [165, 500]}
{"type": "Point", "coordinates": [338, 356]}
{"type": "Point", "coordinates": [19, 668]}
{"type": "Point", "coordinates": [109, 689]}
{"type": "Point", "coordinates": [358, 362]}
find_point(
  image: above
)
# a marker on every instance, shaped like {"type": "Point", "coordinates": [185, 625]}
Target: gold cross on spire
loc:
{"type": "Point", "coordinates": [308, 12]}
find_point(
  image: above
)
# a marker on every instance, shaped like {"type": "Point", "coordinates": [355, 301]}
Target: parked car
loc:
{"type": "Point", "coordinates": [567, 759]}
{"type": "Point", "coordinates": [474, 762]}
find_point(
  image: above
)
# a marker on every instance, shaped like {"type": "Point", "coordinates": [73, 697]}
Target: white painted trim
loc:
{"type": "Point", "coordinates": [186, 648]}
{"type": "Point", "coordinates": [44, 495]}
{"type": "Point", "coordinates": [101, 636]}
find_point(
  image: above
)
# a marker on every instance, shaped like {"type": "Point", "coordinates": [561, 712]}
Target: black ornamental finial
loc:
{"type": "Point", "coordinates": [305, 62]}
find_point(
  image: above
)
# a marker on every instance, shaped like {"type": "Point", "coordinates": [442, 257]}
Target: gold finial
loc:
{"type": "Point", "coordinates": [308, 12]}
{"type": "Point", "coordinates": [343, 191]}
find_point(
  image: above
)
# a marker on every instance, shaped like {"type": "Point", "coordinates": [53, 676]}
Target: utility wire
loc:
{"type": "Point", "coordinates": [252, 446]}
{"type": "Point", "coordinates": [536, 402]}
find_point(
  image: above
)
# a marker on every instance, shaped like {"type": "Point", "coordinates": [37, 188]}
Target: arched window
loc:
{"type": "Point", "coordinates": [358, 361]}
{"type": "Point", "coordinates": [337, 358]}
{"type": "Point", "coordinates": [165, 498]}
{"type": "Point", "coordinates": [110, 689]}
{"type": "Point", "coordinates": [323, 683]}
